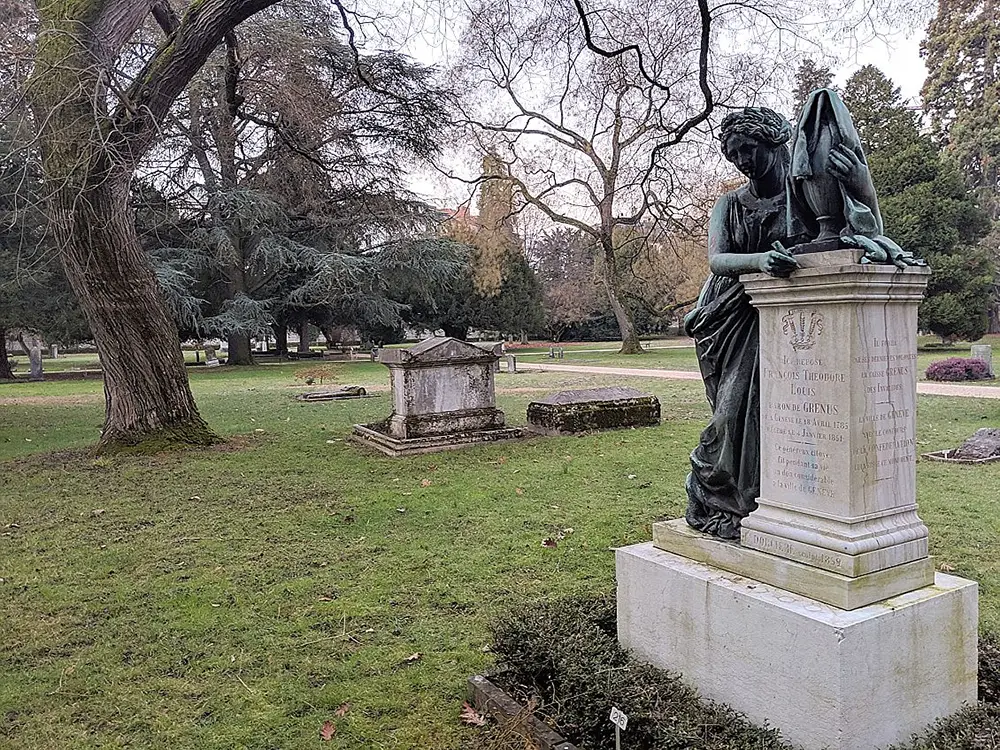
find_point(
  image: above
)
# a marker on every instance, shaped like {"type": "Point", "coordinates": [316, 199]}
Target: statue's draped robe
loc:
{"type": "Point", "coordinates": [725, 467]}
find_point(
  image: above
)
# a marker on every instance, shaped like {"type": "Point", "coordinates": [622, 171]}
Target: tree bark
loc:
{"type": "Point", "coordinates": [303, 337]}
{"type": "Point", "coordinates": [280, 329]}
{"type": "Point", "coordinates": [240, 352]}
{"type": "Point", "coordinates": [630, 339]}
{"type": "Point", "coordinates": [5, 372]}
{"type": "Point", "coordinates": [89, 155]}
{"type": "Point", "coordinates": [147, 397]}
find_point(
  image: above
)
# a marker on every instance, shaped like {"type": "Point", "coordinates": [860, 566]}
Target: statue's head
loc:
{"type": "Point", "coordinates": [754, 139]}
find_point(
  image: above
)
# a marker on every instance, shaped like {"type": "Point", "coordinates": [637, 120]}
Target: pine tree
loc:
{"type": "Point", "coordinates": [808, 78]}
{"type": "Point", "coordinates": [962, 90]}
{"type": "Point", "coordinates": [926, 206]}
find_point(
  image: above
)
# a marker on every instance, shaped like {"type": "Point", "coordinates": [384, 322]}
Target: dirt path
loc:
{"type": "Point", "coordinates": [933, 389]}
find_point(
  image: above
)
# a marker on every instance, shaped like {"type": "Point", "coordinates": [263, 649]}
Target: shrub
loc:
{"type": "Point", "coordinates": [958, 368]}
{"type": "Point", "coordinates": [565, 654]}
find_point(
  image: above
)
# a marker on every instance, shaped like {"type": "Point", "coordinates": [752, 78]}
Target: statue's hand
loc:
{"type": "Point", "coordinates": [777, 263]}
{"type": "Point", "coordinates": [852, 173]}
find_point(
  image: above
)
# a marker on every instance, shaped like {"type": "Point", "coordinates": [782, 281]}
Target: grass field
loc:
{"type": "Point", "coordinates": [236, 597]}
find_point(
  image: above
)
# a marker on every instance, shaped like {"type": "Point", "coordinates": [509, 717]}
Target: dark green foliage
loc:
{"type": "Point", "coordinates": [34, 292]}
{"type": "Point", "coordinates": [989, 668]}
{"type": "Point", "coordinates": [975, 728]}
{"type": "Point", "coordinates": [454, 304]}
{"type": "Point", "coordinates": [808, 78]}
{"type": "Point", "coordinates": [926, 207]}
{"type": "Point", "coordinates": [567, 654]}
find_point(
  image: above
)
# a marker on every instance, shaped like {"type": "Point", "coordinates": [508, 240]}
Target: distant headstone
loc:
{"type": "Point", "coordinates": [53, 351]}
{"type": "Point", "coordinates": [443, 396]}
{"type": "Point", "coordinates": [210, 359]}
{"type": "Point", "coordinates": [985, 353]}
{"type": "Point", "coordinates": [511, 363]}
{"type": "Point", "coordinates": [560, 352]}
{"type": "Point", "coordinates": [591, 409]}
{"type": "Point", "coordinates": [552, 352]}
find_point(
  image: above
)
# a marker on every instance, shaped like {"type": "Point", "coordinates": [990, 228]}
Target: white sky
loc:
{"type": "Point", "coordinates": [899, 58]}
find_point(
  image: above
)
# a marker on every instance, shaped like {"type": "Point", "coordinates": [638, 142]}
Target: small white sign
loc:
{"type": "Point", "coordinates": [619, 719]}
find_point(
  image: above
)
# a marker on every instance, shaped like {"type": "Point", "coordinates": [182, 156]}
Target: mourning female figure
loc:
{"type": "Point", "coordinates": [724, 481]}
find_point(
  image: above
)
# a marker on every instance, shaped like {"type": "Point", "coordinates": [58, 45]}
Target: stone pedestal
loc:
{"type": "Point", "coordinates": [443, 396]}
{"type": "Point", "coordinates": [838, 429]}
{"type": "Point", "coordinates": [826, 620]}
{"type": "Point", "coordinates": [827, 678]}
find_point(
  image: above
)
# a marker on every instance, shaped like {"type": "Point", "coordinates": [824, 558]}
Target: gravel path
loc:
{"type": "Point", "coordinates": [934, 389]}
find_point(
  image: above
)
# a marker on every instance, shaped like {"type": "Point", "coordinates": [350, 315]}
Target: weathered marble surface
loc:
{"type": "Point", "coordinates": [774, 565]}
{"type": "Point", "coordinates": [838, 411]}
{"type": "Point", "coordinates": [443, 396]}
{"type": "Point", "coordinates": [592, 409]}
{"type": "Point", "coordinates": [826, 678]}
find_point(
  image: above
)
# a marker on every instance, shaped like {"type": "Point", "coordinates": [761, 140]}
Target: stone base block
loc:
{"type": "Point", "coordinates": [849, 546]}
{"type": "Point", "coordinates": [407, 426]}
{"type": "Point", "coordinates": [844, 592]}
{"type": "Point", "coordinates": [826, 678]}
{"type": "Point", "coordinates": [371, 436]}
{"type": "Point", "coordinates": [593, 409]}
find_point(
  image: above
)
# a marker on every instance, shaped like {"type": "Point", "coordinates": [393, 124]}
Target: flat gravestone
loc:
{"type": "Point", "coordinates": [982, 448]}
{"type": "Point", "coordinates": [335, 394]}
{"type": "Point", "coordinates": [592, 409]}
{"type": "Point", "coordinates": [984, 443]}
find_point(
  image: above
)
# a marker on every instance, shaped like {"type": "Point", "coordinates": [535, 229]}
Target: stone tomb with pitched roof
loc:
{"type": "Point", "coordinates": [443, 397]}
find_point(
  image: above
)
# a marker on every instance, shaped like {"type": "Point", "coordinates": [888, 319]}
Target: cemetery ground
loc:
{"type": "Point", "coordinates": [243, 595]}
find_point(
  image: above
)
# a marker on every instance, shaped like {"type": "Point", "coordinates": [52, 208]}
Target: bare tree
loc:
{"type": "Point", "coordinates": [588, 152]}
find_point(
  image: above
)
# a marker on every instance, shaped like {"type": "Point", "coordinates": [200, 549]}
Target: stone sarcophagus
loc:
{"type": "Point", "coordinates": [443, 396]}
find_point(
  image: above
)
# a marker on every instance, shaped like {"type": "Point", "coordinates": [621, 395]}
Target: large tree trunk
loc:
{"type": "Point", "coordinates": [5, 372]}
{"type": "Point", "coordinates": [630, 339]}
{"type": "Point", "coordinates": [303, 337]}
{"type": "Point", "coordinates": [240, 351]}
{"type": "Point", "coordinates": [280, 329]}
{"type": "Point", "coordinates": [148, 399]}
{"type": "Point", "coordinates": [89, 155]}
{"type": "Point", "coordinates": [457, 332]}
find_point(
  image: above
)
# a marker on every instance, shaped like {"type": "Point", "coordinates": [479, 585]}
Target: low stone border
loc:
{"type": "Point", "coordinates": [946, 457]}
{"type": "Point", "coordinates": [489, 699]}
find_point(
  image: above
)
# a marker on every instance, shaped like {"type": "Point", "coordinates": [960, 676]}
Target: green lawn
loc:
{"type": "Point", "coordinates": [236, 597]}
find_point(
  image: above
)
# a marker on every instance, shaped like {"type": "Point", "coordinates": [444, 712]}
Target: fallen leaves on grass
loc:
{"type": "Point", "coordinates": [471, 716]}
{"type": "Point", "coordinates": [519, 490]}
{"type": "Point", "coordinates": [414, 657]}
{"type": "Point", "coordinates": [342, 710]}
{"type": "Point", "coordinates": [329, 729]}
{"type": "Point", "coordinates": [549, 542]}
{"type": "Point", "coordinates": [425, 482]}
